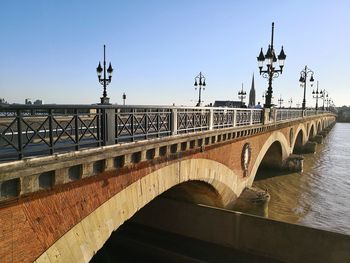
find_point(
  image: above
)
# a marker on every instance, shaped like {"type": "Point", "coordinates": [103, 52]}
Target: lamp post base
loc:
{"type": "Point", "coordinates": [105, 100]}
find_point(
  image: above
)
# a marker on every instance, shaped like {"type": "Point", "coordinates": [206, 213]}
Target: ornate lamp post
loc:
{"type": "Point", "coordinates": [280, 101]}
{"type": "Point", "coordinates": [329, 102]}
{"type": "Point", "coordinates": [124, 98]}
{"type": "Point", "coordinates": [242, 95]}
{"type": "Point", "coordinates": [317, 95]}
{"type": "Point", "coordinates": [303, 76]}
{"type": "Point", "coordinates": [324, 97]}
{"type": "Point", "coordinates": [290, 102]}
{"type": "Point", "coordinates": [104, 81]}
{"type": "Point", "coordinates": [264, 96]}
{"type": "Point", "coordinates": [199, 80]}
{"type": "Point", "coordinates": [270, 72]}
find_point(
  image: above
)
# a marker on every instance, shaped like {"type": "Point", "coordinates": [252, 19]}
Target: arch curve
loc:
{"type": "Point", "coordinates": [300, 129]}
{"type": "Point", "coordinates": [274, 137]}
{"type": "Point", "coordinates": [84, 239]}
{"type": "Point", "coordinates": [312, 130]}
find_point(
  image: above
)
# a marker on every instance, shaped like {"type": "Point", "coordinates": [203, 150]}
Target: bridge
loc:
{"type": "Point", "coordinates": [71, 175]}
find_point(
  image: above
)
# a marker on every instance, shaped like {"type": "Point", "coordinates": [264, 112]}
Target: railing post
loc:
{"type": "Point", "coordinates": [76, 129]}
{"type": "Point", "coordinates": [266, 115]}
{"type": "Point", "coordinates": [211, 119]}
{"type": "Point", "coordinates": [251, 117]}
{"type": "Point", "coordinates": [19, 134]}
{"type": "Point", "coordinates": [234, 117]}
{"type": "Point", "coordinates": [109, 126]}
{"type": "Point", "coordinates": [173, 121]}
{"type": "Point", "coordinates": [50, 131]}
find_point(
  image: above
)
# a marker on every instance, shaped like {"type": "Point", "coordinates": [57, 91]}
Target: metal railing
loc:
{"type": "Point", "coordinates": [32, 131]}
{"type": "Point", "coordinates": [191, 120]}
{"type": "Point", "coordinates": [288, 114]}
{"type": "Point", "coordinates": [132, 124]}
{"type": "Point", "coordinates": [45, 129]}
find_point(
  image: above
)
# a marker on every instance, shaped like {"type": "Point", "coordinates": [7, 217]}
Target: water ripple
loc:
{"type": "Point", "coordinates": [319, 196]}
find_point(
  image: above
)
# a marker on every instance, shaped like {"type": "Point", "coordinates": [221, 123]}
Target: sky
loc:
{"type": "Point", "coordinates": [49, 50]}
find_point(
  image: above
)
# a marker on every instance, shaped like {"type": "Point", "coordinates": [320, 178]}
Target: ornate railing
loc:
{"type": "Point", "coordinates": [287, 114]}
{"type": "Point", "coordinates": [139, 123]}
{"type": "Point", "coordinates": [30, 131]}
{"type": "Point", "coordinates": [192, 119]}
{"type": "Point", "coordinates": [224, 118]}
{"type": "Point", "coordinates": [45, 129]}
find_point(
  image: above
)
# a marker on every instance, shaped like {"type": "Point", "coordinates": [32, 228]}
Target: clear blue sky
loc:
{"type": "Point", "coordinates": [50, 49]}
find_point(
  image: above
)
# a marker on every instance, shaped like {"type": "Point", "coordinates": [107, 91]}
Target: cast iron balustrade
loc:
{"type": "Point", "coordinates": [287, 114]}
{"type": "Point", "coordinates": [32, 130]}
{"type": "Point", "coordinates": [139, 123]}
{"type": "Point", "coordinates": [28, 131]}
{"type": "Point", "coordinates": [192, 119]}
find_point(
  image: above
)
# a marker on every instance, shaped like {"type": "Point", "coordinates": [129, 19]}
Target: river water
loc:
{"type": "Point", "coordinates": [318, 197]}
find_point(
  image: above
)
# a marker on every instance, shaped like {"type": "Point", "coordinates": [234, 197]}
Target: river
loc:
{"type": "Point", "coordinates": [318, 197]}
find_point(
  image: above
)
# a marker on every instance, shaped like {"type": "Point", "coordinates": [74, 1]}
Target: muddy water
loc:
{"type": "Point", "coordinates": [319, 196]}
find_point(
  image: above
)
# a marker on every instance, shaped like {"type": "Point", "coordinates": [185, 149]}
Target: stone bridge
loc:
{"type": "Point", "coordinates": [64, 206]}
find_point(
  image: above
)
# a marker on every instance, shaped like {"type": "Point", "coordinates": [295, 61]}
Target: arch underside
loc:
{"type": "Point", "coordinates": [285, 150]}
{"type": "Point", "coordinates": [81, 242]}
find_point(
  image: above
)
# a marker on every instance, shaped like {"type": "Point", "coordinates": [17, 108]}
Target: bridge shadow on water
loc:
{"type": "Point", "coordinates": [265, 173]}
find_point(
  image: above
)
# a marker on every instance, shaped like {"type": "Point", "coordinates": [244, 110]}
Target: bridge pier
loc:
{"type": "Point", "coordinates": [309, 147]}
{"type": "Point", "coordinates": [294, 163]}
{"type": "Point", "coordinates": [318, 139]}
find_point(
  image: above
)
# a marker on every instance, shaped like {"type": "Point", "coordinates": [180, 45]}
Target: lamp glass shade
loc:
{"type": "Point", "coordinates": [269, 56]}
{"type": "Point", "coordinates": [281, 63]}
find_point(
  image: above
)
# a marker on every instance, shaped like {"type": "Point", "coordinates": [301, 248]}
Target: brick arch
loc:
{"type": "Point", "coordinates": [274, 137]}
{"type": "Point", "coordinates": [312, 127]}
{"type": "Point", "coordinates": [82, 241]}
{"type": "Point", "coordinates": [319, 126]}
{"type": "Point", "coordinates": [301, 128]}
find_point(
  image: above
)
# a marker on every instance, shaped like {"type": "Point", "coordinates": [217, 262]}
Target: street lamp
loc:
{"type": "Point", "coordinates": [242, 95]}
{"type": "Point", "coordinates": [317, 95]}
{"type": "Point", "coordinates": [328, 101]}
{"type": "Point", "coordinates": [331, 104]}
{"type": "Point", "coordinates": [290, 102]}
{"type": "Point", "coordinates": [324, 97]}
{"type": "Point", "coordinates": [270, 71]}
{"type": "Point", "coordinates": [104, 81]}
{"type": "Point", "coordinates": [124, 98]}
{"type": "Point", "coordinates": [199, 81]}
{"type": "Point", "coordinates": [302, 80]}
{"type": "Point", "coordinates": [264, 96]}
{"type": "Point", "coordinates": [280, 101]}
